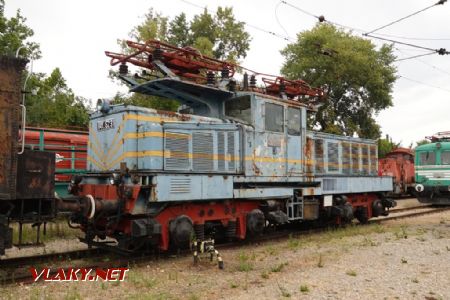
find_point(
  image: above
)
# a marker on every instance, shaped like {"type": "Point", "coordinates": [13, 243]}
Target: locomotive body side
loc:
{"type": "Point", "coordinates": [433, 173]}
{"type": "Point", "coordinates": [400, 165]}
{"type": "Point", "coordinates": [157, 176]}
{"type": "Point", "coordinates": [26, 177]}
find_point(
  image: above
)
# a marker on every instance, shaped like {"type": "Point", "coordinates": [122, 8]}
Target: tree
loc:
{"type": "Point", "coordinates": [385, 146]}
{"type": "Point", "coordinates": [179, 31]}
{"type": "Point", "coordinates": [357, 78]}
{"type": "Point", "coordinates": [14, 34]}
{"type": "Point", "coordinates": [422, 142]}
{"type": "Point", "coordinates": [233, 41]}
{"type": "Point", "coordinates": [219, 36]}
{"type": "Point", "coordinates": [55, 104]}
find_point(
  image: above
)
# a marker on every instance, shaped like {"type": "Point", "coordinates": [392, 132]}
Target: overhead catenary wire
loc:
{"type": "Point", "coordinates": [414, 56]}
{"type": "Point", "coordinates": [426, 84]}
{"type": "Point", "coordinates": [440, 2]}
{"type": "Point", "coordinates": [286, 38]}
{"type": "Point", "coordinates": [321, 18]}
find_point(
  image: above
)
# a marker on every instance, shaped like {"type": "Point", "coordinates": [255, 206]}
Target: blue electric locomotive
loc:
{"type": "Point", "coordinates": [234, 159]}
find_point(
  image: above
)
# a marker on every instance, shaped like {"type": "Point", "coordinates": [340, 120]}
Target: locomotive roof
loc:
{"type": "Point", "coordinates": [434, 146]}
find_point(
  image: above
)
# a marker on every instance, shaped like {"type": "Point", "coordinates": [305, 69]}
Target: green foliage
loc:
{"type": "Point", "coordinates": [385, 146]}
{"type": "Point", "coordinates": [54, 104]}
{"type": "Point", "coordinates": [219, 35]}
{"type": "Point", "coordinates": [14, 34]}
{"type": "Point", "coordinates": [233, 41]}
{"type": "Point", "coordinates": [153, 27]}
{"type": "Point", "coordinates": [179, 31]}
{"type": "Point", "coordinates": [146, 101]}
{"type": "Point", "coordinates": [422, 142]}
{"type": "Point", "coordinates": [203, 25]}
{"type": "Point", "coordinates": [357, 78]}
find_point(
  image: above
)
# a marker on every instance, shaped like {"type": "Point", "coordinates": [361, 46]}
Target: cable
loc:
{"type": "Point", "coordinates": [434, 67]}
{"type": "Point", "coordinates": [440, 51]}
{"type": "Point", "coordinates": [423, 83]}
{"type": "Point", "coordinates": [440, 2]}
{"type": "Point", "coordinates": [415, 56]}
{"type": "Point", "coordinates": [286, 38]}
{"type": "Point", "coordinates": [278, 21]}
{"type": "Point", "coordinates": [302, 10]}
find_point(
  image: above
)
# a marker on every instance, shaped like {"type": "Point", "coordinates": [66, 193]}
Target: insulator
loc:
{"type": "Point", "coordinates": [199, 231]}
{"type": "Point", "coordinates": [210, 78]}
{"type": "Point", "coordinates": [123, 69]}
{"type": "Point", "coordinates": [225, 73]}
{"type": "Point", "coordinates": [253, 81]}
{"type": "Point", "coordinates": [231, 230]}
{"type": "Point", "coordinates": [157, 54]}
{"type": "Point", "coordinates": [282, 87]}
{"type": "Point", "coordinates": [232, 86]}
{"type": "Point", "coordinates": [245, 81]}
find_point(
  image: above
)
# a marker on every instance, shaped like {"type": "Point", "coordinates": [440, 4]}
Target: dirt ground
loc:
{"type": "Point", "coordinates": [407, 259]}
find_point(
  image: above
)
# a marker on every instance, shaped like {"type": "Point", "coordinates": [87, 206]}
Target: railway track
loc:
{"type": "Point", "coordinates": [16, 270]}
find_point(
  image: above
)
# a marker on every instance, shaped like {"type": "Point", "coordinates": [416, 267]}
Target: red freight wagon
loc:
{"type": "Point", "coordinates": [399, 164]}
{"type": "Point", "coordinates": [69, 146]}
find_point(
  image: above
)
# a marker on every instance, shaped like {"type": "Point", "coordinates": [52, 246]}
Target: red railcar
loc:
{"type": "Point", "coordinates": [399, 164]}
{"type": "Point", "coordinates": [69, 146]}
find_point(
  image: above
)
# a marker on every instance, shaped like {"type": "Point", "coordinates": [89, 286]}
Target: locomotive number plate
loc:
{"type": "Point", "coordinates": [105, 125]}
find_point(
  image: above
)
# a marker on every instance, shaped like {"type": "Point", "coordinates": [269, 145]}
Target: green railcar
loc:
{"type": "Point", "coordinates": [432, 170]}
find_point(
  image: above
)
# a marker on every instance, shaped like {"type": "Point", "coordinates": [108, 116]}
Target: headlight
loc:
{"type": "Point", "coordinates": [115, 179]}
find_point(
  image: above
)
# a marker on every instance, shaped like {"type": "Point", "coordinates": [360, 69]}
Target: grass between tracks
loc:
{"type": "Point", "coordinates": [246, 268]}
{"type": "Point", "coordinates": [54, 231]}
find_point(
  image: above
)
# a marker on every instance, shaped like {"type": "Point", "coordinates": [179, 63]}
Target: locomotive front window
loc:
{"type": "Point", "coordinates": [293, 120]}
{"type": "Point", "coordinates": [445, 157]}
{"type": "Point", "coordinates": [427, 158]}
{"type": "Point", "coordinates": [239, 108]}
{"type": "Point", "coordinates": [274, 118]}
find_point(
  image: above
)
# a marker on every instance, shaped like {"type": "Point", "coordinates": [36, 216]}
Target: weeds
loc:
{"type": "Point", "coordinates": [140, 280]}
{"type": "Point", "coordinates": [265, 275]}
{"type": "Point", "coordinates": [278, 268]}
{"type": "Point", "coordinates": [351, 273]}
{"type": "Point", "coordinates": [284, 292]}
{"type": "Point", "coordinates": [404, 261]}
{"type": "Point", "coordinates": [369, 242]}
{"type": "Point", "coordinates": [415, 280]}
{"type": "Point", "coordinates": [401, 234]}
{"type": "Point", "coordinates": [73, 294]}
{"type": "Point", "coordinates": [234, 285]}
{"type": "Point", "coordinates": [245, 265]}
{"type": "Point", "coordinates": [320, 262]}
{"type": "Point", "coordinates": [304, 288]}
{"type": "Point", "coordinates": [293, 243]}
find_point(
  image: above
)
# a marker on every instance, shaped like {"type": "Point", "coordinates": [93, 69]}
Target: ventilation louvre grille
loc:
{"type": "Point", "coordinates": [180, 185]}
{"type": "Point", "coordinates": [203, 151]}
{"type": "Point", "coordinates": [177, 151]}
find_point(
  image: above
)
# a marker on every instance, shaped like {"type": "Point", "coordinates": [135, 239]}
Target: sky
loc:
{"type": "Point", "coordinates": [73, 36]}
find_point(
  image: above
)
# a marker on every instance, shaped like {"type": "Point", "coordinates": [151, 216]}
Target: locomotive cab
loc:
{"type": "Point", "coordinates": [433, 171]}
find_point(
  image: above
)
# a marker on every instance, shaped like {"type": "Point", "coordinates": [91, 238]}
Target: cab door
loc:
{"type": "Point", "coordinates": [294, 141]}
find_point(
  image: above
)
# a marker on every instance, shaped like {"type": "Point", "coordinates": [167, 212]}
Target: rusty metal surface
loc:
{"type": "Point", "coordinates": [10, 92]}
{"type": "Point", "coordinates": [35, 178]}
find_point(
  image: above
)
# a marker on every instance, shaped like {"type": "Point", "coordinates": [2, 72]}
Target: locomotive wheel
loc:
{"type": "Point", "coordinates": [362, 215]}
{"type": "Point", "coordinates": [255, 222]}
{"type": "Point", "coordinates": [181, 230]}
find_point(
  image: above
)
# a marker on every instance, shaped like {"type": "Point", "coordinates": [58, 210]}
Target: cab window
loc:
{"type": "Point", "coordinates": [293, 121]}
{"type": "Point", "coordinates": [239, 108]}
{"type": "Point", "coordinates": [427, 158]}
{"type": "Point", "coordinates": [445, 157]}
{"type": "Point", "coordinates": [274, 117]}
